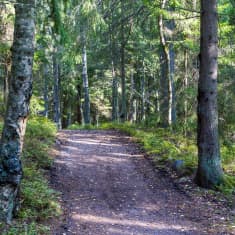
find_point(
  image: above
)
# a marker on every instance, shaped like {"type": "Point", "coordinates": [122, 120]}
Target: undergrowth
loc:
{"type": "Point", "coordinates": [77, 126]}
{"type": "Point", "coordinates": [38, 201]}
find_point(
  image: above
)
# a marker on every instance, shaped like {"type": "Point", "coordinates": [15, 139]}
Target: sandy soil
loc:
{"type": "Point", "coordinates": [108, 187]}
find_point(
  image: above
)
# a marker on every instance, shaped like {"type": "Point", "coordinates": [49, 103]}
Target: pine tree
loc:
{"type": "Point", "coordinates": [209, 172]}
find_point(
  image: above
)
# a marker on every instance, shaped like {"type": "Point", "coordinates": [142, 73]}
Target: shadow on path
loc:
{"type": "Point", "coordinates": [108, 187]}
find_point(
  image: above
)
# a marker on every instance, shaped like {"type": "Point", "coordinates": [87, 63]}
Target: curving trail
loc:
{"type": "Point", "coordinates": [108, 187]}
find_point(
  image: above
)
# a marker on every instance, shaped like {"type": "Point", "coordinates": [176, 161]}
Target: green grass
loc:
{"type": "Point", "coordinates": [38, 201]}
{"type": "Point", "coordinates": [76, 126]}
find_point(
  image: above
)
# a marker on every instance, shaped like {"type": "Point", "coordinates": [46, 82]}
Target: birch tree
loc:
{"type": "Point", "coordinates": [17, 108]}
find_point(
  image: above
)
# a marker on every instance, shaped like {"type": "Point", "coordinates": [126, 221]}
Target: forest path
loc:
{"type": "Point", "coordinates": [108, 187]}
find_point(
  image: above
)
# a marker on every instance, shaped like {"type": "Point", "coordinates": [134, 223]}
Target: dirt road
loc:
{"type": "Point", "coordinates": [109, 187]}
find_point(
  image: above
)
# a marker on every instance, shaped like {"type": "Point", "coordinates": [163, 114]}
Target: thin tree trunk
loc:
{"type": "Point", "coordinates": [69, 115]}
{"type": "Point", "coordinates": [86, 107]}
{"type": "Point", "coordinates": [17, 108]}
{"type": "Point", "coordinates": [157, 106]}
{"type": "Point", "coordinates": [57, 108]}
{"type": "Point", "coordinates": [209, 172]}
{"type": "Point", "coordinates": [66, 120]}
{"type": "Point", "coordinates": [123, 73]}
{"type": "Point", "coordinates": [170, 27]}
{"type": "Point", "coordinates": [148, 88]}
{"type": "Point", "coordinates": [185, 88]}
{"type": "Point", "coordinates": [143, 94]}
{"type": "Point", "coordinates": [164, 89]}
{"type": "Point", "coordinates": [45, 90]}
{"type": "Point", "coordinates": [114, 94]}
{"type": "Point", "coordinates": [195, 5]}
{"type": "Point", "coordinates": [114, 76]}
{"type": "Point", "coordinates": [79, 110]}
{"type": "Point", "coordinates": [132, 98]}
{"type": "Point", "coordinates": [165, 110]}
{"type": "Point", "coordinates": [172, 84]}
{"type": "Point", "coordinates": [156, 102]}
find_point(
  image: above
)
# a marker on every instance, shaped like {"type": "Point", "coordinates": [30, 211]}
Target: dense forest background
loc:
{"type": "Point", "coordinates": [119, 46]}
{"type": "Point", "coordinates": [135, 63]}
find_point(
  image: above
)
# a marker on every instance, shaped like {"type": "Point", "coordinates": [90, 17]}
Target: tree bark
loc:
{"type": "Point", "coordinates": [20, 92]}
{"type": "Point", "coordinates": [132, 115]}
{"type": "Point", "coordinates": [114, 94]}
{"type": "Point", "coordinates": [79, 112]}
{"type": "Point", "coordinates": [86, 107]}
{"type": "Point", "coordinates": [142, 83]}
{"type": "Point", "coordinates": [6, 86]}
{"type": "Point", "coordinates": [209, 172]}
{"type": "Point", "coordinates": [172, 118]}
{"type": "Point", "coordinates": [165, 111]}
{"type": "Point", "coordinates": [56, 92]}
{"type": "Point", "coordinates": [123, 72]}
{"type": "Point", "coordinates": [167, 60]}
{"type": "Point", "coordinates": [163, 91]}
{"type": "Point", "coordinates": [185, 88]}
{"type": "Point", "coordinates": [195, 5]}
{"type": "Point", "coordinates": [114, 75]}
{"type": "Point", "coordinates": [45, 90]}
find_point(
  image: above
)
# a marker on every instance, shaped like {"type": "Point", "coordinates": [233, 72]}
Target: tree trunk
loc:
{"type": "Point", "coordinates": [165, 111]}
{"type": "Point", "coordinates": [185, 88]}
{"type": "Point", "coordinates": [209, 172]}
{"type": "Point", "coordinates": [170, 27]}
{"type": "Point", "coordinates": [164, 89]}
{"type": "Point", "coordinates": [79, 111]}
{"type": "Point", "coordinates": [86, 107]}
{"type": "Point", "coordinates": [167, 60]}
{"type": "Point", "coordinates": [143, 94]}
{"type": "Point", "coordinates": [195, 5]}
{"type": "Point", "coordinates": [114, 77]}
{"type": "Point", "coordinates": [6, 86]}
{"type": "Point", "coordinates": [131, 117]}
{"type": "Point", "coordinates": [114, 94]}
{"type": "Point", "coordinates": [123, 74]}
{"type": "Point", "coordinates": [45, 90]}
{"type": "Point", "coordinates": [57, 108]}
{"type": "Point", "coordinates": [20, 92]}
{"type": "Point", "coordinates": [172, 84]}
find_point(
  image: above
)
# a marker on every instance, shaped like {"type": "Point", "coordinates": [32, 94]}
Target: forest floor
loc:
{"type": "Point", "coordinates": [109, 186]}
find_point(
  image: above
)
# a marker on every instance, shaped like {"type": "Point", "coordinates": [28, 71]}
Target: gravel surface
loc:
{"type": "Point", "coordinates": [109, 187]}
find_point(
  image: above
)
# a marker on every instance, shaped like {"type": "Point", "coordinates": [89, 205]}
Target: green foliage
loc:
{"type": "Point", "coordinates": [40, 136]}
{"type": "Point", "coordinates": [2, 106]}
{"type": "Point", "coordinates": [81, 127]}
{"type": "Point", "coordinates": [25, 229]}
{"type": "Point", "coordinates": [39, 201]}
{"type": "Point", "coordinates": [41, 128]}
{"type": "Point", "coordinates": [228, 157]}
{"type": "Point", "coordinates": [57, 17]}
{"type": "Point", "coordinates": [36, 105]}
{"type": "Point", "coordinates": [228, 185]}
